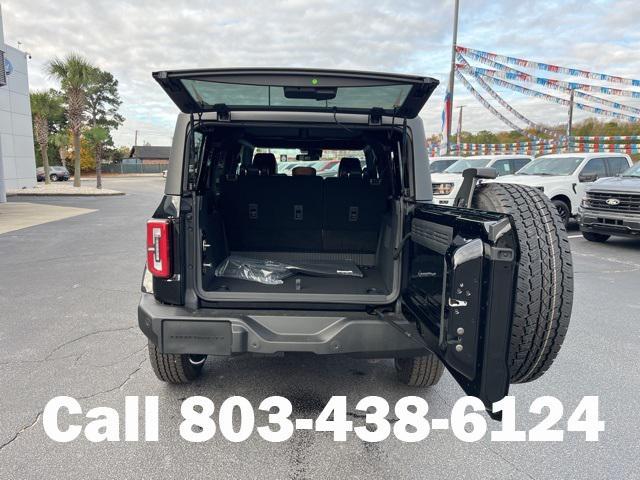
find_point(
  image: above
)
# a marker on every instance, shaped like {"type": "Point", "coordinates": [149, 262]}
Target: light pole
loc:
{"type": "Point", "coordinates": [459, 132]}
{"type": "Point", "coordinates": [449, 104]}
{"type": "Point", "coordinates": [570, 123]}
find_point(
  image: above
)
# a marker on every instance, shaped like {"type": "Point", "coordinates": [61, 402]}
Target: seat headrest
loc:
{"type": "Point", "coordinates": [254, 171]}
{"type": "Point", "coordinates": [303, 171]}
{"type": "Point", "coordinates": [349, 166]}
{"type": "Point", "coordinates": [265, 162]}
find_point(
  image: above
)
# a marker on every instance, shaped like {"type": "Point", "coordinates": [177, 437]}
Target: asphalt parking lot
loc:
{"type": "Point", "coordinates": [68, 296]}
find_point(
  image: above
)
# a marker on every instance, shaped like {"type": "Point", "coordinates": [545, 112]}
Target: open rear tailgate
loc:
{"type": "Point", "coordinates": [197, 91]}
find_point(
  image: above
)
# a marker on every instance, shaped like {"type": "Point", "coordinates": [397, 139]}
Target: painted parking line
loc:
{"type": "Point", "coordinates": [575, 236]}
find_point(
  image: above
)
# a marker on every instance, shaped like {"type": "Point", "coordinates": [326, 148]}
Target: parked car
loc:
{"type": "Point", "coordinates": [366, 265]}
{"type": "Point", "coordinates": [56, 174]}
{"type": "Point", "coordinates": [611, 207]}
{"type": "Point", "coordinates": [439, 164]}
{"type": "Point", "coordinates": [564, 177]}
{"type": "Point", "coordinates": [446, 185]}
{"type": "Point", "coordinates": [332, 171]}
{"type": "Point", "coordinates": [328, 165]}
{"type": "Point", "coordinates": [286, 167]}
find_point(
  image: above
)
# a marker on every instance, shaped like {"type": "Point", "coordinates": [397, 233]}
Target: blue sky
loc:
{"type": "Point", "coordinates": [133, 39]}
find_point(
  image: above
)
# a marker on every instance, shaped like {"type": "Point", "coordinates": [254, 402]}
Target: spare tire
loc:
{"type": "Point", "coordinates": [544, 284]}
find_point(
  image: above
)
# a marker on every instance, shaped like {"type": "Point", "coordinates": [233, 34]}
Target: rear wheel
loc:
{"type": "Point", "coordinates": [595, 237]}
{"type": "Point", "coordinates": [563, 210]}
{"type": "Point", "coordinates": [175, 368]}
{"type": "Point", "coordinates": [544, 285]}
{"type": "Point", "coordinates": [422, 371]}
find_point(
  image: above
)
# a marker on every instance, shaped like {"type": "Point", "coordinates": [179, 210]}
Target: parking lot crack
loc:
{"type": "Point", "coordinates": [39, 414]}
{"type": "Point", "coordinates": [21, 431]}
{"type": "Point", "coordinates": [95, 332]}
{"type": "Point", "coordinates": [117, 387]}
{"type": "Point", "coordinates": [23, 362]}
{"type": "Point", "coordinates": [120, 360]}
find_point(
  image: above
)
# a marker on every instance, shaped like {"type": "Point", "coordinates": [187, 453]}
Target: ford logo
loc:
{"type": "Point", "coordinates": [612, 201]}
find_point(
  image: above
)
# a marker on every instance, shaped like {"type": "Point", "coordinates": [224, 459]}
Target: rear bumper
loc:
{"type": "Point", "coordinates": [444, 200]}
{"type": "Point", "coordinates": [609, 223]}
{"type": "Point", "coordinates": [227, 332]}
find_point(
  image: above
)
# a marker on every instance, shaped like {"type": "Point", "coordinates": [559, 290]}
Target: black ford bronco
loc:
{"type": "Point", "coordinates": [244, 259]}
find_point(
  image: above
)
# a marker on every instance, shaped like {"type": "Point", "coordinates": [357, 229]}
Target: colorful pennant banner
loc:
{"type": "Point", "coordinates": [509, 73]}
{"type": "Point", "coordinates": [542, 150]}
{"type": "Point", "coordinates": [574, 72]}
{"type": "Point", "coordinates": [606, 146]}
{"type": "Point", "coordinates": [510, 145]}
{"type": "Point", "coordinates": [600, 147]}
{"type": "Point", "coordinates": [535, 148]}
{"type": "Point", "coordinates": [490, 107]}
{"type": "Point", "coordinates": [518, 75]}
{"type": "Point", "coordinates": [506, 105]}
{"type": "Point", "coordinates": [607, 138]}
{"type": "Point", "coordinates": [552, 98]}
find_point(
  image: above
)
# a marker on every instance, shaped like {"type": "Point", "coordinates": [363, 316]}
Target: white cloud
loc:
{"type": "Point", "coordinates": [133, 39]}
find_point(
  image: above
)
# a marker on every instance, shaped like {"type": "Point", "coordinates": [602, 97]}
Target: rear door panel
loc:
{"type": "Point", "coordinates": [462, 266]}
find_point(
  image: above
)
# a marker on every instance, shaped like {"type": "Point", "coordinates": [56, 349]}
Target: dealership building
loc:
{"type": "Point", "coordinates": [17, 156]}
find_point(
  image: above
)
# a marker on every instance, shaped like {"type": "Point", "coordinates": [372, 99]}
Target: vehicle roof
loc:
{"type": "Point", "coordinates": [583, 154]}
{"type": "Point", "coordinates": [497, 156]}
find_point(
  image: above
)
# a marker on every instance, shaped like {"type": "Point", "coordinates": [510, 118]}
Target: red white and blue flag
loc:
{"type": "Point", "coordinates": [445, 121]}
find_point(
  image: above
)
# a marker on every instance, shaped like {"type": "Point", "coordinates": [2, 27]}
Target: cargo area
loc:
{"type": "Point", "coordinates": [334, 234]}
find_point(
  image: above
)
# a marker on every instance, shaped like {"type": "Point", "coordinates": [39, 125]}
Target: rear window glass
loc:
{"type": "Point", "coordinates": [208, 93]}
{"type": "Point", "coordinates": [326, 166]}
{"type": "Point", "coordinates": [617, 165]}
{"type": "Point", "coordinates": [438, 166]}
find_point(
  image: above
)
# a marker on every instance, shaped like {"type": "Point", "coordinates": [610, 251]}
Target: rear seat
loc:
{"type": "Point", "coordinates": [298, 200]}
{"type": "Point", "coordinates": [241, 199]}
{"type": "Point", "coordinates": [267, 212]}
{"type": "Point", "coordinates": [353, 209]}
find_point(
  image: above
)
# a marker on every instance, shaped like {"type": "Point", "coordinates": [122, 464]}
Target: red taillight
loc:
{"type": "Point", "coordinates": [159, 248]}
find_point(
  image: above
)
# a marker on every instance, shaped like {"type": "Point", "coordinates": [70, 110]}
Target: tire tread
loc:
{"type": "Point", "coordinates": [172, 368]}
{"type": "Point", "coordinates": [544, 291]}
{"type": "Point", "coordinates": [424, 371]}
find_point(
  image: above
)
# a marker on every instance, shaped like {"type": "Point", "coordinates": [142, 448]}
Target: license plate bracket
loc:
{"type": "Point", "coordinates": [196, 337]}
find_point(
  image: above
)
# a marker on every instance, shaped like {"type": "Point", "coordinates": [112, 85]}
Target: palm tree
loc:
{"type": "Point", "coordinates": [96, 136]}
{"type": "Point", "coordinates": [60, 140]}
{"type": "Point", "coordinates": [74, 73]}
{"type": "Point", "coordinates": [45, 106]}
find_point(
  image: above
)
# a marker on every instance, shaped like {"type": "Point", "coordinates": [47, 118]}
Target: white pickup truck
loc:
{"type": "Point", "coordinates": [563, 177]}
{"type": "Point", "coordinates": [446, 185]}
{"type": "Point", "coordinates": [440, 164]}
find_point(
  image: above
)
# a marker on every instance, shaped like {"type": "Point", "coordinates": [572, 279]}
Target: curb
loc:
{"type": "Point", "coordinates": [51, 194]}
